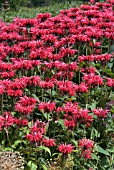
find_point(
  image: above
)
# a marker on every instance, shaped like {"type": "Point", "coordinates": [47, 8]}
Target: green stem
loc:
{"type": "Point", "coordinates": [1, 103]}
{"type": "Point", "coordinates": [50, 94]}
{"type": "Point", "coordinates": [109, 46]}
{"type": "Point", "coordinates": [42, 93]}
{"type": "Point", "coordinates": [78, 50]}
{"type": "Point", "coordinates": [79, 76]}
{"type": "Point", "coordinates": [8, 137]}
{"type": "Point", "coordinates": [15, 133]}
{"type": "Point", "coordinates": [63, 161]}
{"type": "Point", "coordinates": [86, 50]}
{"type": "Point", "coordinates": [101, 45]}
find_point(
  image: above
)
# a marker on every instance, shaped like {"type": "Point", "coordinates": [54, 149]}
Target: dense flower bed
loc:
{"type": "Point", "coordinates": [56, 84]}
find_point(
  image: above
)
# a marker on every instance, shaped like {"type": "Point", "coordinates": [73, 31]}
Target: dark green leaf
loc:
{"type": "Point", "coordinates": [101, 150]}
{"type": "Point", "coordinates": [46, 149]}
{"type": "Point", "coordinates": [31, 165]}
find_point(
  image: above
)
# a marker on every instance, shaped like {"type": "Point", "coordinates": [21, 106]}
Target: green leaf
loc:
{"type": "Point", "coordinates": [92, 106]}
{"type": "Point", "coordinates": [97, 72]}
{"type": "Point", "coordinates": [17, 142]}
{"type": "Point", "coordinates": [110, 150]}
{"type": "Point", "coordinates": [71, 99]}
{"type": "Point", "coordinates": [94, 40]}
{"type": "Point", "coordinates": [95, 156]}
{"type": "Point", "coordinates": [94, 133]}
{"type": "Point", "coordinates": [110, 65]}
{"type": "Point", "coordinates": [13, 113]}
{"type": "Point", "coordinates": [102, 102]}
{"type": "Point", "coordinates": [47, 127]}
{"type": "Point", "coordinates": [8, 149]}
{"type": "Point", "coordinates": [101, 150]}
{"type": "Point", "coordinates": [33, 95]}
{"type": "Point", "coordinates": [32, 165]}
{"type": "Point", "coordinates": [55, 154]}
{"type": "Point", "coordinates": [46, 115]}
{"type": "Point", "coordinates": [44, 166]}
{"type": "Point", "coordinates": [75, 142]}
{"type": "Point", "coordinates": [46, 149]}
{"type": "Point", "coordinates": [61, 122]}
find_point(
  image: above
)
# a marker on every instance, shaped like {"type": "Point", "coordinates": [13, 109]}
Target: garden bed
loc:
{"type": "Point", "coordinates": [57, 89]}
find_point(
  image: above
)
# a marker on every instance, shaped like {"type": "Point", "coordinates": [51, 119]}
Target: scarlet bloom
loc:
{"type": "Point", "coordinates": [69, 123]}
{"type": "Point", "coordinates": [110, 82]}
{"type": "Point", "coordinates": [14, 93]}
{"type": "Point", "coordinates": [25, 105]}
{"type": "Point", "coordinates": [87, 154]}
{"type": "Point", "coordinates": [24, 122]}
{"type": "Point", "coordinates": [83, 88]}
{"type": "Point", "coordinates": [65, 149]}
{"type": "Point", "coordinates": [1, 89]}
{"type": "Point", "coordinates": [34, 137]}
{"type": "Point", "coordinates": [39, 126]}
{"type": "Point", "coordinates": [85, 117]}
{"type": "Point", "coordinates": [86, 144]}
{"type": "Point", "coordinates": [100, 112]}
{"type": "Point", "coordinates": [2, 120]}
{"type": "Point", "coordinates": [47, 107]}
{"type": "Point", "coordinates": [36, 132]}
{"type": "Point", "coordinates": [35, 80]}
{"type": "Point", "coordinates": [49, 142]}
{"type": "Point", "coordinates": [7, 120]}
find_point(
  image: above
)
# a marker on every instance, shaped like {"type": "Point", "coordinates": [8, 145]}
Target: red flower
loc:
{"type": "Point", "coordinates": [69, 123]}
{"type": "Point", "coordinates": [46, 85]}
{"type": "Point", "coordinates": [24, 122]}
{"type": "Point", "coordinates": [2, 89]}
{"type": "Point", "coordinates": [36, 132]}
{"type": "Point", "coordinates": [35, 80]}
{"type": "Point", "coordinates": [39, 126]}
{"type": "Point", "coordinates": [85, 117]}
{"type": "Point", "coordinates": [87, 154]}
{"type": "Point", "coordinates": [14, 93]}
{"type": "Point", "coordinates": [25, 105]}
{"type": "Point", "coordinates": [50, 106]}
{"type": "Point", "coordinates": [110, 82]}
{"type": "Point", "coordinates": [34, 137]}
{"type": "Point", "coordinates": [47, 107]}
{"type": "Point", "coordinates": [65, 149]}
{"type": "Point", "coordinates": [86, 144]}
{"type": "Point", "coordinates": [83, 88]}
{"type": "Point", "coordinates": [49, 142]}
{"type": "Point", "coordinates": [2, 120]}
{"type": "Point", "coordinates": [100, 112]}
{"type": "Point", "coordinates": [9, 120]}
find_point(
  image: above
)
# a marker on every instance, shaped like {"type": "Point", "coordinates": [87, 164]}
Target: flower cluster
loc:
{"type": "Point", "coordinates": [100, 113]}
{"type": "Point", "coordinates": [25, 105]}
{"type": "Point", "coordinates": [73, 114]}
{"type": "Point", "coordinates": [86, 147]}
{"type": "Point", "coordinates": [8, 120]}
{"type": "Point", "coordinates": [36, 135]}
{"type": "Point", "coordinates": [65, 148]}
{"type": "Point", "coordinates": [46, 107]}
{"type": "Point", "coordinates": [36, 132]}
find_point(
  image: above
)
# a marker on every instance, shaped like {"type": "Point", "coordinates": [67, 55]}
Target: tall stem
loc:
{"type": "Point", "coordinates": [1, 103]}
{"type": "Point", "coordinates": [109, 46]}
{"type": "Point", "coordinates": [8, 137]}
